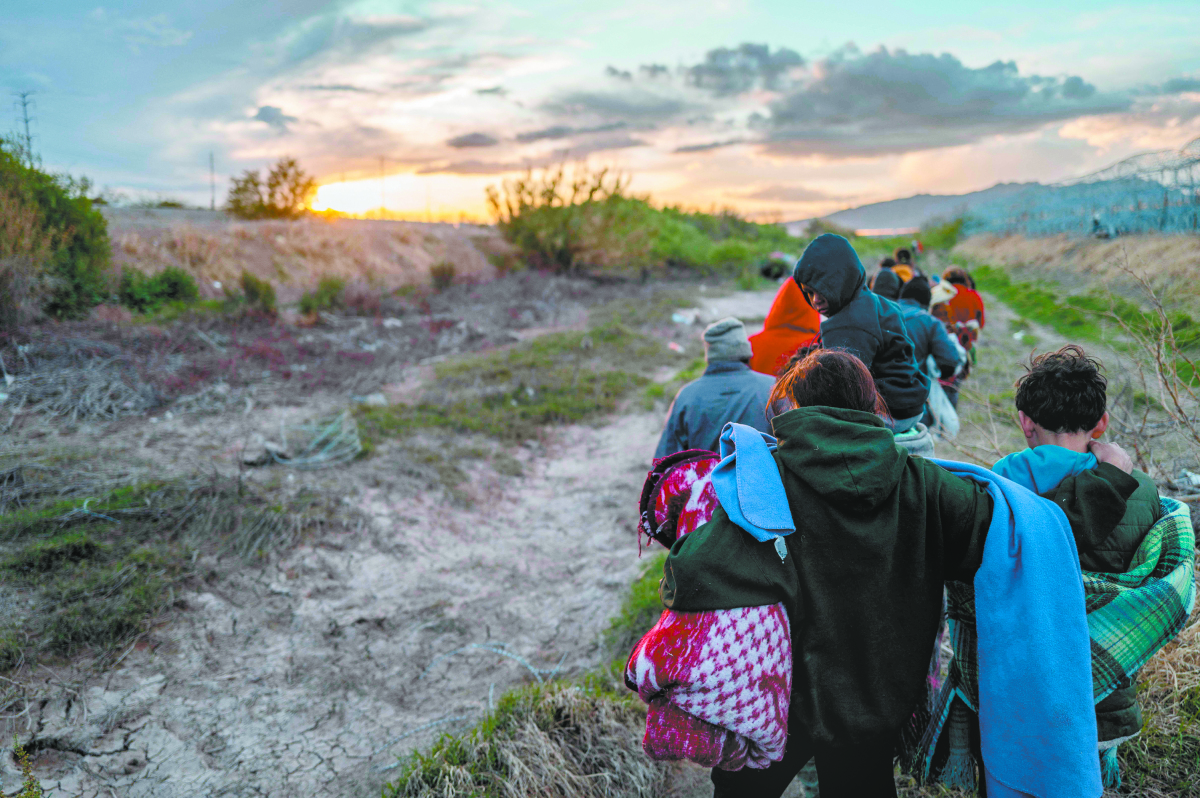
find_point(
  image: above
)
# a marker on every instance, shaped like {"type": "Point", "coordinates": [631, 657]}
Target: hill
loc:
{"type": "Point", "coordinates": [915, 211]}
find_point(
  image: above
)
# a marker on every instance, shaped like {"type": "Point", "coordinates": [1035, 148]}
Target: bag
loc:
{"type": "Point", "coordinates": [945, 417]}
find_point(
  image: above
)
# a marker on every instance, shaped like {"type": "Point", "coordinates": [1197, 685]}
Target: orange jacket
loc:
{"type": "Point", "coordinates": [964, 306]}
{"type": "Point", "coordinates": [791, 323]}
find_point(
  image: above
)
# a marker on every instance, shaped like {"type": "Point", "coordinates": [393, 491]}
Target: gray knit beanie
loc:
{"type": "Point", "coordinates": [726, 340]}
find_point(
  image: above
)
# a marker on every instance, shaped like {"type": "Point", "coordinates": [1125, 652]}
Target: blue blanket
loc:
{"type": "Point", "coordinates": [1036, 717]}
{"type": "Point", "coordinates": [749, 488]}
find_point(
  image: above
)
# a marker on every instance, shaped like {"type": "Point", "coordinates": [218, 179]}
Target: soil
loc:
{"type": "Point", "coordinates": [311, 674]}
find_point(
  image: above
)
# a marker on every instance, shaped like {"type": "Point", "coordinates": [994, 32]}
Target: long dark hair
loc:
{"type": "Point", "coordinates": [830, 378]}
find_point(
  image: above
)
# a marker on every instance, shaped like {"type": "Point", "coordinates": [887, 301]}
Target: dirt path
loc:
{"type": "Point", "coordinates": [308, 677]}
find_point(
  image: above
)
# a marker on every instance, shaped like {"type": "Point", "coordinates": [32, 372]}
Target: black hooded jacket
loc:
{"type": "Point", "coordinates": [863, 323]}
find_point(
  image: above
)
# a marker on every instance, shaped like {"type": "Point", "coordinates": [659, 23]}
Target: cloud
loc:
{"type": "Point", "coordinates": [613, 72]}
{"type": "Point", "coordinates": [727, 71]}
{"type": "Point", "coordinates": [855, 104]}
{"type": "Point", "coordinates": [476, 167]}
{"type": "Point", "coordinates": [337, 87]}
{"type": "Point", "coordinates": [564, 131]}
{"type": "Point", "coordinates": [348, 37]}
{"type": "Point", "coordinates": [636, 105]}
{"type": "Point", "coordinates": [793, 193]}
{"type": "Point", "coordinates": [708, 146]}
{"type": "Point", "coordinates": [599, 145]}
{"type": "Point", "coordinates": [472, 140]}
{"type": "Point", "coordinates": [654, 71]}
{"type": "Point", "coordinates": [155, 31]}
{"type": "Point", "coordinates": [1181, 85]}
{"type": "Point", "coordinates": [275, 117]}
{"type": "Point", "coordinates": [498, 91]}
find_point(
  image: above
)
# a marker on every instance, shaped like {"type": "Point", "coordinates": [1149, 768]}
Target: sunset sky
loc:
{"type": "Point", "coordinates": [774, 107]}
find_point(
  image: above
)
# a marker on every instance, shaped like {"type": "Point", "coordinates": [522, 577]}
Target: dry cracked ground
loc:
{"type": "Point", "coordinates": [311, 674]}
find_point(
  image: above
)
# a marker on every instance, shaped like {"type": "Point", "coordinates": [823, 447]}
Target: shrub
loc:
{"type": "Point", "coordinates": [25, 248]}
{"type": "Point", "coordinates": [326, 296]}
{"type": "Point", "coordinates": [77, 264]}
{"type": "Point", "coordinates": [442, 275]}
{"type": "Point", "coordinates": [145, 294]}
{"type": "Point", "coordinates": [284, 194]}
{"type": "Point", "coordinates": [591, 223]}
{"type": "Point", "coordinates": [260, 294]}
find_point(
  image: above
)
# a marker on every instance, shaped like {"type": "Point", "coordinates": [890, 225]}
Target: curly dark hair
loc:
{"type": "Point", "coordinates": [1063, 391]}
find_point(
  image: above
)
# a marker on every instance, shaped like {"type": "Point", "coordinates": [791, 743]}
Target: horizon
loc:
{"type": "Point", "coordinates": [777, 111]}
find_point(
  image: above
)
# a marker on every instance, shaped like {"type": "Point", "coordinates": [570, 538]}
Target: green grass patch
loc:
{"type": "Point", "coordinates": [511, 394]}
{"type": "Point", "coordinates": [92, 574]}
{"type": "Point", "coordinates": [640, 611]}
{"type": "Point", "coordinates": [326, 296]}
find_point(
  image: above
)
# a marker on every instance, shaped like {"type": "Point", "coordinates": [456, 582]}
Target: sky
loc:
{"type": "Point", "coordinates": [781, 109]}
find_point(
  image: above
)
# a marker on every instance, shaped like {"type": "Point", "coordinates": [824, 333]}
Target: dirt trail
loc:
{"type": "Point", "coordinates": [309, 676]}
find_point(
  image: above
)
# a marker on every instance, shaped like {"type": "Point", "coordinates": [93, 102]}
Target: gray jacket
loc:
{"type": "Point", "coordinates": [728, 391]}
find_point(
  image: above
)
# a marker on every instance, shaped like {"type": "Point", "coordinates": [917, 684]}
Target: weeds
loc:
{"type": "Point", "coordinates": [557, 739]}
{"type": "Point", "coordinates": [259, 294]}
{"type": "Point", "coordinates": [92, 575]}
{"type": "Point", "coordinates": [442, 275]}
{"type": "Point", "coordinates": [30, 786]}
{"type": "Point", "coordinates": [326, 296]}
{"type": "Point", "coordinates": [510, 395]}
{"type": "Point", "coordinates": [143, 294]}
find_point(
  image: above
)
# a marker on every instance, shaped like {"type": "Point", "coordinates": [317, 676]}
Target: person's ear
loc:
{"type": "Point", "coordinates": [1027, 425]}
{"type": "Point", "coordinates": [1100, 427]}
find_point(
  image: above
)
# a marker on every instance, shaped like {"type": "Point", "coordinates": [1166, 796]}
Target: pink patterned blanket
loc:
{"type": "Point", "coordinates": [718, 684]}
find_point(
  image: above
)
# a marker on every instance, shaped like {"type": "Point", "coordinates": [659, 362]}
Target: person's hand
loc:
{"type": "Point", "coordinates": [1112, 454]}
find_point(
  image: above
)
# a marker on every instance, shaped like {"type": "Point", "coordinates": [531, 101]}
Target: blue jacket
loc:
{"type": "Point", "coordinates": [728, 391]}
{"type": "Point", "coordinates": [929, 337]}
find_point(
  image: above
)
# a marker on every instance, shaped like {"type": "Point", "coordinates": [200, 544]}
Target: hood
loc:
{"type": "Point", "coordinates": [791, 310]}
{"type": "Point", "coordinates": [831, 267]}
{"type": "Point", "coordinates": [847, 456]}
{"type": "Point", "coordinates": [887, 283]}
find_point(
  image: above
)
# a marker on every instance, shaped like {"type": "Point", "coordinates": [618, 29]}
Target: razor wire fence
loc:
{"type": "Point", "coordinates": [1152, 192]}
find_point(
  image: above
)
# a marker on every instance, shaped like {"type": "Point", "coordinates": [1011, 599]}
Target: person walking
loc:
{"type": "Point", "coordinates": [864, 324]}
{"type": "Point", "coordinates": [727, 391]}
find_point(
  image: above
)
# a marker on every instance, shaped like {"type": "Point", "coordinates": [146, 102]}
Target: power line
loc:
{"type": "Point", "coordinates": [382, 187]}
{"type": "Point", "coordinates": [23, 102]}
{"type": "Point", "coordinates": [212, 182]}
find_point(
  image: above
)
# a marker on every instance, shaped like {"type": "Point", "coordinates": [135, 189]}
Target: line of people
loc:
{"type": "Point", "coordinates": [895, 327]}
{"type": "Point", "coordinates": [1063, 568]}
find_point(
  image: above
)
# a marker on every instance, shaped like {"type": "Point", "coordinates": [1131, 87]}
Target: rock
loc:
{"type": "Point", "coordinates": [258, 451]}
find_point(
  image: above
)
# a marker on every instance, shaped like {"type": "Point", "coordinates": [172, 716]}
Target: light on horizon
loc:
{"type": "Point", "coordinates": [406, 195]}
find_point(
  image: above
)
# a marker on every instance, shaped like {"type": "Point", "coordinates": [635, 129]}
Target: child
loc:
{"type": "Point", "coordinates": [1061, 407]}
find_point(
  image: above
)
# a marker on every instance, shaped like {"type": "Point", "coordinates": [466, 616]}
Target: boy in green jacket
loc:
{"type": "Point", "coordinates": [1062, 409]}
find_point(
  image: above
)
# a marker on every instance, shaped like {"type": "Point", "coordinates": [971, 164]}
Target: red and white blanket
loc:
{"type": "Point", "coordinates": [718, 683]}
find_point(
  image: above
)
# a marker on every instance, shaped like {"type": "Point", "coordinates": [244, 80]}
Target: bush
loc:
{"type": "Point", "coordinates": [143, 294]}
{"type": "Point", "coordinates": [442, 275]}
{"type": "Point", "coordinates": [77, 234]}
{"type": "Point", "coordinates": [260, 294]}
{"type": "Point", "coordinates": [25, 248]}
{"type": "Point", "coordinates": [284, 194]}
{"type": "Point", "coordinates": [593, 225]}
{"type": "Point", "coordinates": [326, 296]}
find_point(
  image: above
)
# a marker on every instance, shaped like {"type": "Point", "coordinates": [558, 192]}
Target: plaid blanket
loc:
{"type": "Point", "coordinates": [1130, 617]}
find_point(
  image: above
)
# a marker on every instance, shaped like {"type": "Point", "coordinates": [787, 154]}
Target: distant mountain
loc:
{"type": "Point", "coordinates": [917, 210]}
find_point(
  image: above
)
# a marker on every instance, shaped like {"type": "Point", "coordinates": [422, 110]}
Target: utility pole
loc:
{"type": "Point", "coordinates": [382, 187]}
{"type": "Point", "coordinates": [24, 101]}
{"type": "Point", "coordinates": [212, 182]}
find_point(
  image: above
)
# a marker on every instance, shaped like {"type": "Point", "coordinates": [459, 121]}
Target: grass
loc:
{"type": "Point", "coordinates": [91, 575]}
{"type": "Point", "coordinates": [511, 394]}
{"type": "Point", "coordinates": [571, 739]}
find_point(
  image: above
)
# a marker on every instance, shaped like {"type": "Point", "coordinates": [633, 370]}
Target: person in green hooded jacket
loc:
{"type": "Point", "coordinates": [879, 532]}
